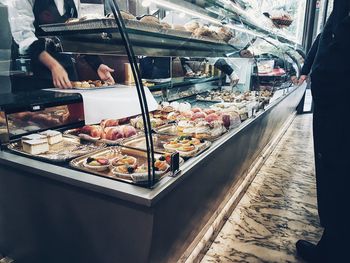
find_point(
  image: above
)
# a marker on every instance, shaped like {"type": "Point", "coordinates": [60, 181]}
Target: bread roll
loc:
{"type": "Point", "coordinates": [179, 27]}
{"type": "Point", "coordinates": [192, 26]}
{"type": "Point", "coordinates": [165, 25]}
{"type": "Point", "coordinates": [151, 20]}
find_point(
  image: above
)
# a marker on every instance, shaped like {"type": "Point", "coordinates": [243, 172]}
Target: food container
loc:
{"type": "Point", "coordinates": [64, 151]}
{"type": "Point", "coordinates": [198, 149]}
{"type": "Point", "coordinates": [114, 152]}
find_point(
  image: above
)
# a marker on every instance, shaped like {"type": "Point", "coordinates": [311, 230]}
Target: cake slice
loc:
{"type": "Point", "coordinates": [35, 146]}
{"type": "Point", "coordinates": [53, 137]}
{"type": "Point", "coordinates": [34, 136]}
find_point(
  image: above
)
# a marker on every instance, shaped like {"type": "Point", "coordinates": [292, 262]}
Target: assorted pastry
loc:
{"type": "Point", "coordinates": [90, 84]}
{"type": "Point", "coordinates": [226, 96]}
{"type": "Point", "coordinates": [186, 146]}
{"type": "Point", "coordinates": [137, 122]}
{"type": "Point", "coordinates": [282, 20]}
{"type": "Point", "coordinates": [39, 143]}
{"type": "Point", "coordinates": [125, 15]}
{"type": "Point", "coordinates": [198, 30]}
{"type": "Point", "coordinates": [150, 20]}
{"type": "Point", "coordinates": [97, 163]}
{"type": "Point", "coordinates": [106, 133]}
{"type": "Point", "coordinates": [26, 122]}
{"type": "Point", "coordinates": [129, 165]}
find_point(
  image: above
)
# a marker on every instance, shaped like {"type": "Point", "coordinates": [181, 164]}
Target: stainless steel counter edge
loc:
{"type": "Point", "coordinates": [124, 191]}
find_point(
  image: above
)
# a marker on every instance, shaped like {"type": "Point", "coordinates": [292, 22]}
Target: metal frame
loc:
{"type": "Point", "coordinates": [140, 91]}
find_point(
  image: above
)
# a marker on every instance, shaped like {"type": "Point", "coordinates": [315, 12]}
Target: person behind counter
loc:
{"type": "Point", "coordinates": [219, 63]}
{"type": "Point", "coordinates": [281, 63]}
{"type": "Point", "coordinates": [48, 65]}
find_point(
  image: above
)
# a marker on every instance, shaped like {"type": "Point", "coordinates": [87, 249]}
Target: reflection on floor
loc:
{"type": "Point", "coordinates": [279, 207]}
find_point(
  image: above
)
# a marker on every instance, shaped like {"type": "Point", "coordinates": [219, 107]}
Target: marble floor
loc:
{"type": "Point", "coordinates": [279, 207]}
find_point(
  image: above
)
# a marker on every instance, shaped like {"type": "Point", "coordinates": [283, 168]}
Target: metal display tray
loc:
{"type": "Point", "coordinates": [158, 141]}
{"type": "Point", "coordinates": [95, 24]}
{"type": "Point", "coordinates": [75, 133]}
{"type": "Point", "coordinates": [64, 151]}
{"type": "Point", "coordinates": [171, 129]}
{"type": "Point", "coordinates": [112, 153]}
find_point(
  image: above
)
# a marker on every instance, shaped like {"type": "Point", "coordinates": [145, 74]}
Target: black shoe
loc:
{"type": "Point", "coordinates": [307, 251]}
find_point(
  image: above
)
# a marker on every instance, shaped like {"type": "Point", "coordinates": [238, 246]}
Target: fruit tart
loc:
{"type": "Point", "coordinates": [97, 163]}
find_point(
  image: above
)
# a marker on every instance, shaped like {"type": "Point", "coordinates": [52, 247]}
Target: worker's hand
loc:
{"type": "Point", "coordinates": [302, 79]}
{"type": "Point", "coordinates": [60, 77]}
{"type": "Point", "coordinates": [245, 53]}
{"type": "Point", "coordinates": [294, 80]}
{"type": "Point", "coordinates": [104, 72]}
{"type": "Point", "coordinates": [234, 79]}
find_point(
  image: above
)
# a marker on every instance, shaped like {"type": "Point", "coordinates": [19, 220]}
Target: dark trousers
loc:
{"type": "Point", "coordinates": [332, 161]}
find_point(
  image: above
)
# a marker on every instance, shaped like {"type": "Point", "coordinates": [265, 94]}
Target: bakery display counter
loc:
{"type": "Point", "coordinates": [89, 217]}
{"type": "Point", "coordinates": [78, 185]}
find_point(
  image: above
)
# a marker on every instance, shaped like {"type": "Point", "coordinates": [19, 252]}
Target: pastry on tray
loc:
{"type": "Point", "coordinates": [97, 163]}
{"type": "Point", "coordinates": [36, 146]}
{"type": "Point", "coordinates": [125, 160]}
{"type": "Point", "coordinates": [53, 137]}
{"type": "Point", "coordinates": [165, 25]}
{"type": "Point", "coordinates": [90, 84]}
{"type": "Point", "coordinates": [125, 15]}
{"type": "Point", "coordinates": [93, 131]}
{"type": "Point", "coordinates": [127, 167]}
{"type": "Point", "coordinates": [150, 20]}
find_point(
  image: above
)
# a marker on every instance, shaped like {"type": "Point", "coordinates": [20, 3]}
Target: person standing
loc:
{"type": "Point", "coordinates": [330, 90]}
{"type": "Point", "coordinates": [25, 17]}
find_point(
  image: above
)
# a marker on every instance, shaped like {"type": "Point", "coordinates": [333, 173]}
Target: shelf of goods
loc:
{"type": "Point", "coordinates": [80, 190]}
{"type": "Point", "coordinates": [101, 36]}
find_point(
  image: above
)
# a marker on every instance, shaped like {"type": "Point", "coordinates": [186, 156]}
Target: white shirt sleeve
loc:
{"type": "Point", "coordinates": [21, 19]}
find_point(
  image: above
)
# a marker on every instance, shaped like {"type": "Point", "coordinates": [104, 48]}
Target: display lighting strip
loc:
{"type": "Point", "coordinates": [187, 11]}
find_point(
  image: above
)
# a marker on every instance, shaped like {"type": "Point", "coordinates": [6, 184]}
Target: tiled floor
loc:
{"type": "Point", "coordinates": [279, 207]}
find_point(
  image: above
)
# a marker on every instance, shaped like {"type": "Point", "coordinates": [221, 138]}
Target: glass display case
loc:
{"type": "Point", "coordinates": [205, 65]}
{"type": "Point", "coordinates": [124, 168]}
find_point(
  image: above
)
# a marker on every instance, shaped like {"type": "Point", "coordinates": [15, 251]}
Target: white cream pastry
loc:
{"type": "Point", "coordinates": [34, 136]}
{"type": "Point", "coordinates": [35, 146]}
{"type": "Point", "coordinates": [53, 137]}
